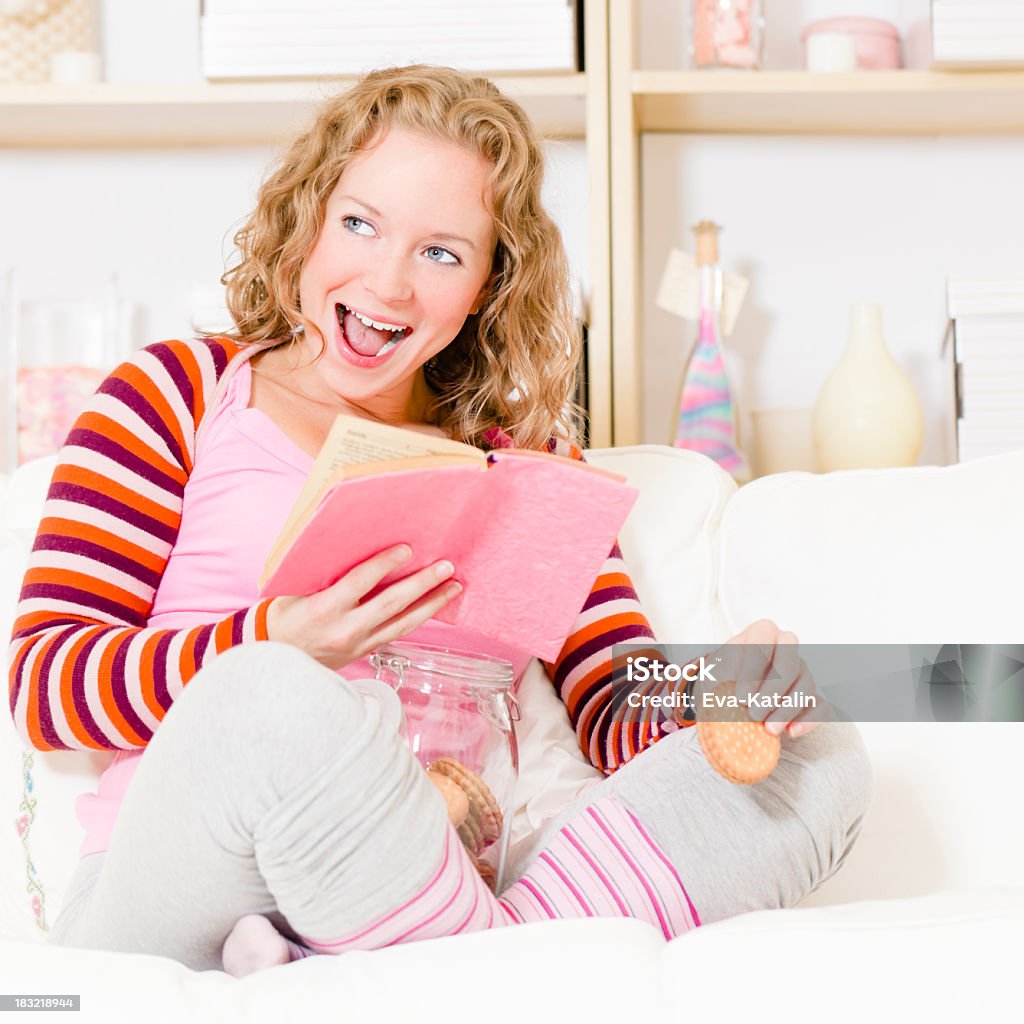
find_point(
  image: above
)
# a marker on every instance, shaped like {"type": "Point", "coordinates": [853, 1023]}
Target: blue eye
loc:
{"type": "Point", "coordinates": [354, 224]}
{"type": "Point", "coordinates": [437, 254]}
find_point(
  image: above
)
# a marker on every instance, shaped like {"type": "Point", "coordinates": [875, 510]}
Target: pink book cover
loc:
{"type": "Point", "coordinates": [527, 536]}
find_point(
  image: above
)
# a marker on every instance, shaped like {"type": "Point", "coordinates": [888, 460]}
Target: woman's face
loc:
{"type": "Point", "coordinates": [402, 259]}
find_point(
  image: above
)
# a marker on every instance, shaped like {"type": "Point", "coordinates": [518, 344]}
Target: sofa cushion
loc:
{"type": "Point", "coordinates": [669, 540]}
{"type": "Point", "coordinates": [839, 964]}
{"type": "Point", "coordinates": [879, 556]}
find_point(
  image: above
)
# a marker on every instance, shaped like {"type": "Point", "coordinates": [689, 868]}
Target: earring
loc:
{"type": "Point", "coordinates": [431, 364]}
{"type": "Point", "coordinates": [297, 331]}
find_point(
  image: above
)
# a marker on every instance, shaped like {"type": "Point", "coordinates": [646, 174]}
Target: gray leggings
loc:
{"type": "Point", "coordinates": [272, 788]}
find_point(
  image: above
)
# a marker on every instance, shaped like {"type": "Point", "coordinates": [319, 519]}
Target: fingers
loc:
{"type": "Point", "coordinates": [359, 581]}
{"type": "Point", "coordinates": [397, 597]}
{"type": "Point", "coordinates": [772, 676]}
{"type": "Point", "coordinates": [426, 607]}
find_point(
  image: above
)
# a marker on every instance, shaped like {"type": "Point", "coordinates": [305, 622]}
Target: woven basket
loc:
{"type": "Point", "coordinates": [32, 31]}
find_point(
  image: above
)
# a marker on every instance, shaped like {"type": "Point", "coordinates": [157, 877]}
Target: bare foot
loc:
{"type": "Point", "coordinates": [254, 944]}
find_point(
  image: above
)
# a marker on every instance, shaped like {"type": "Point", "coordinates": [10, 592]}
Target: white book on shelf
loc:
{"type": "Point", "coordinates": [1004, 50]}
{"type": "Point", "coordinates": [312, 68]}
{"type": "Point", "coordinates": [968, 452]}
{"type": "Point", "coordinates": [1000, 60]}
{"type": "Point", "coordinates": [384, 50]}
{"type": "Point", "coordinates": [996, 386]}
{"type": "Point", "coordinates": [259, 26]}
{"type": "Point", "coordinates": [387, 8]}
{"type": "Point", "coordinates": [992, 428]}
{"type": "Point", "coordinates": [369, 47]}
{"type": "Point", "coordinates": [377, 35]}
{"type": "Point", "coordinates": [976, 405]}
{"type": "Point", "coordinates": [999, 346]}
{"type": "Point", "coordinates": [985, 296]}
{"type": "Point", "coordinates": [991, 368]}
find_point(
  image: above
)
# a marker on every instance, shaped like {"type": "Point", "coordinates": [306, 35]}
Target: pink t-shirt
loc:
{"type": "Point", "coordinates": [246, 476]}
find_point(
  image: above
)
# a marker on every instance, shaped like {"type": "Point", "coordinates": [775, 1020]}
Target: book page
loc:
{"type": "Point", "coordinates": [354, 440]}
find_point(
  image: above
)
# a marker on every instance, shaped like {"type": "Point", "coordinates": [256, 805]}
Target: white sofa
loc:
{"type": "Point", "coordinates": [925, 919]}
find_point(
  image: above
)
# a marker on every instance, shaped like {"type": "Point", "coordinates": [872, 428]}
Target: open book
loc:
{"type": "Point", "coordinates": [527, 532]}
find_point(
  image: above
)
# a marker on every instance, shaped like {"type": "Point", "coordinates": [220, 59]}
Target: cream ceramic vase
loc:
{"type": "Point", "coordinates": [868, 414]}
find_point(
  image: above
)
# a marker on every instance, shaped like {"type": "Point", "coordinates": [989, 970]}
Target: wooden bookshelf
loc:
{"type": "Point", "coordinates": [867, 102]}
{"type": "Point", "coordinates": [226, 114]}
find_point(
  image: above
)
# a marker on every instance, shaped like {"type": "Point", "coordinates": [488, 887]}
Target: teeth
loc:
{"type": "Point", "coordinates": [375, 323]}
{"type": "Point", "coordinates": [397, 332]}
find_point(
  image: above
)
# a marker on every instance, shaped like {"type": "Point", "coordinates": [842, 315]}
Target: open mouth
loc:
{"type": "Point", "coordinates": [367, 337]}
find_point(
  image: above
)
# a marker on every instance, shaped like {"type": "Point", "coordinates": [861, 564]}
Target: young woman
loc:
{"type": "Point", "coordinates": [399, 266]}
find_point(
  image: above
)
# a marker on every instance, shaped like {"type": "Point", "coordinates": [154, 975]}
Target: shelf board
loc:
{"type": "Point", "coordinates": [227, 113]}
{"type": "Point", "coordinates": [864, 103]}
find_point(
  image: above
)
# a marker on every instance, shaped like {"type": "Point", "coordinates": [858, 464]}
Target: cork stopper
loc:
{"type": "Point", "coordinates": [707, 243]}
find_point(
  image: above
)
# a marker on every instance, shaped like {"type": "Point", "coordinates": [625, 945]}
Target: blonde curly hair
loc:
{"type": "Point", "coordinates": [514, 363]}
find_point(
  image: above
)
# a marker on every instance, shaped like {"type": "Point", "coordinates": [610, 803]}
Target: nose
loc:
{"type": "Point", "coordinates": [388, 279]}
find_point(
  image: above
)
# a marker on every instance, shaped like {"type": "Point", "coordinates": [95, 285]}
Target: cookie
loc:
{"type": "Point", "coordinates": [483, 824]}
{"type": "Point", "coordinates": [454, 797]}
{"type": "Point", "coordinates": [739, 749]}
{"type": "Point", "coordinates": [488, 874]}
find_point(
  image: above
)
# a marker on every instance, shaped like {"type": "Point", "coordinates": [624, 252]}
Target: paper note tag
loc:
{"type": "Point", "coordinates": [679, 292]}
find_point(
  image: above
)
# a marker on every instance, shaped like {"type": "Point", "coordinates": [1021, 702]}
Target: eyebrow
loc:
{"type": "Point", "coordinates": [446, 236]}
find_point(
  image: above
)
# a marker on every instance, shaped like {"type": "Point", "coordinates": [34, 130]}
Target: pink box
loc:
{"type": "Point", "coordinates": [878, 41]}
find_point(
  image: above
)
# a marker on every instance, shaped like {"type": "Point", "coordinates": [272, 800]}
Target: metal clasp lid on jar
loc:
{"type": "Point", "coordinates": [488, 675]}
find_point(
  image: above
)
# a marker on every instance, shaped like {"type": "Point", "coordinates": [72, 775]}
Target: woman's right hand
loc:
{"type": "Point", "coordinates": [338, 626]}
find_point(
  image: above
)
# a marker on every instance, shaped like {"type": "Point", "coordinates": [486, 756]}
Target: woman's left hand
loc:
{"type": "Point", "coordinates": [765, 660]}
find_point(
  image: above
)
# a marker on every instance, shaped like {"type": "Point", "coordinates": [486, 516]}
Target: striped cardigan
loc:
{"type": "Point", "coordinates": [84, 669]}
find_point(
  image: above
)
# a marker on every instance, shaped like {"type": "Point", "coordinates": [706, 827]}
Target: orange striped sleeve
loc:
{"type": "Point", "coordinates": [81, 624]}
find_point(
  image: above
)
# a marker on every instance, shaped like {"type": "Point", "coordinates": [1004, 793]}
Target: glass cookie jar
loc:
{"type": "Point", "coordinates": [727, 33]}
{"type": "Point", "coordinates": [459, 720]}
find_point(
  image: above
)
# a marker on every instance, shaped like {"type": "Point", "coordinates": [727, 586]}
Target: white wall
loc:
{"type": "Point", "coordinates": [162, 219]}
{"type": "Point", "coordinates": [817, 223]}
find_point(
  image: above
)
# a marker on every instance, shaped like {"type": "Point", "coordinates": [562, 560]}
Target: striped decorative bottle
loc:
{"type": "Point", "coordinates": [707, 415]}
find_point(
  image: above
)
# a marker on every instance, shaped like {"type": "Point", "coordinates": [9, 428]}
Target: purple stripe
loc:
{"type": "Point", "coordinates": [78, 691]}
{"type": "Point", "coordinates": [82, 437]}
{"type": "Point", "coordinates": [238, 628]}
{"type": "Point", "coordinates": [592, 864]}
{"type": "Point", "coordinates": [82, 598]}
{"type": "Point", "coordinates": [170, 361]}
{"type": "Point", "coordinates": [43, 696]}
{"type": "Point", "coordinates": [609, 594]}
{"type": "Point", "coordinates": [567, 882]}
{"type": "Point", "coordinates": [24, 652]}
{"type": "Point", "coordinates": [126, 394]}
{"type": "Point", "coordinates": [69, 544]}
{"type": "Point", "coordinates": [119, 691]}
{"type": "Point", "coordinates": [160, 691]}
{"type": "Point", "coordinates": [50, 624]}
{"type": "Point", "coordinates": [601, 642]}
{"type": "Point", "coordinates": [201, 642]}
{"type": "Point", "coordinates": [78, 494]}
{"type": "Point", "coordinates": [668, 864]}
{"type": "Point", "coordinates": [607, 830]}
